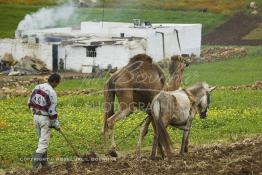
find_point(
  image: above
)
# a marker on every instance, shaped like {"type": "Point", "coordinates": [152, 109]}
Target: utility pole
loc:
{"type": "Point", "coordinates": [103, 14]}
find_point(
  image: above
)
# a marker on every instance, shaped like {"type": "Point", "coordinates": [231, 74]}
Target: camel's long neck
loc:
{"type": "Point", "coordinates": [176, 79]}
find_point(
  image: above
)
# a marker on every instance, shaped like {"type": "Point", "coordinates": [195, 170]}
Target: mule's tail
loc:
{"type": "Point", "coordinates": [161, 131]}
{"type": "Point", "coordinates": [109, 94]}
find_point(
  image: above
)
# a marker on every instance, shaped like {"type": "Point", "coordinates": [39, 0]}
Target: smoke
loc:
{"type": "Point", "coordinates": [47, 17]}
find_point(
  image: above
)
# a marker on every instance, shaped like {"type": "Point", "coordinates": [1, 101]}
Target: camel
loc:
{"type": "Point", "coordinates": [135, 86]}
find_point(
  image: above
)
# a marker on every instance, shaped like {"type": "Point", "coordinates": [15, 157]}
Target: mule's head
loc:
{"type": "Point", "coordinates": [204, 102]}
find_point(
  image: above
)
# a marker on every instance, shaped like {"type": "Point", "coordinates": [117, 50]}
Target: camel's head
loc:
{"type": "Point", "coordinates": [177, 63]}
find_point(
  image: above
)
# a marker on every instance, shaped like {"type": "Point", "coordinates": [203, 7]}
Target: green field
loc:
{"type": "Point", "coordinates": [233, 114]}
{"type": "Point", "coordinates": [180, 11]}
{"type": "Point", "coordinates": [12, 14]}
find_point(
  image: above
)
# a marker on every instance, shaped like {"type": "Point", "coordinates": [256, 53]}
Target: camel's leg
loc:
{"type": "Point", "coordinates": [111, 122]}
{"type": "Point", "coordinates": [126, 105]}
{"type": "Point", "coordinates": [143, 133]}
{"type": "Point", "coordinates": [118, 116]}
{"type": "Point", "coordinates": [113, 143]}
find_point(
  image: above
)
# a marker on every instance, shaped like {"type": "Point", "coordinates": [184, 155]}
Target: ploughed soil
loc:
{"type": "Point", "coordinates": [242, 157]}
{"type": "Point", "coordinates": [232, 31]}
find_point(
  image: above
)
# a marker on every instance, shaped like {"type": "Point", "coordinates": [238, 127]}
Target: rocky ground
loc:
{"type": "Point", "coordinates": [242, 157]}
{"type": "Point", "coordinates": [20, 90]}
{"type": "Point", "coordinates": [222, 53]}
{"type": "Point", "coordinates": [13, 86]}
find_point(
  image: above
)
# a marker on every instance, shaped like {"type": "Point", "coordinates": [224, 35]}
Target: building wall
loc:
{"type": "Point", "coordinates": [171, 44]}
{"type": "Point", "coordinates": [117, 55]}
{"type": "Point", "coordinates": [20, 50]}
{"type": "Point", "coordinates": [74, 57]}
{"type": "Point", "coordinates": [189, 35]}
{"type": "Point", "coordinates": [192, 40]}
{"type": "Point", "coordinates": [155, 46]}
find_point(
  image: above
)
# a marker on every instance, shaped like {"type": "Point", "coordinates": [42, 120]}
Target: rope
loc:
{"type": "Point", "coordinates": [123, 140]}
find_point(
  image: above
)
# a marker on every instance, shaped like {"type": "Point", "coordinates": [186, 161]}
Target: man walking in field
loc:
{"type": "Point", "coordinates": [43, 103]}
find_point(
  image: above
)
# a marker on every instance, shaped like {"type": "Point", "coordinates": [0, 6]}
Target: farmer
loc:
{"type": "Point", "coordinates": [42, 103]}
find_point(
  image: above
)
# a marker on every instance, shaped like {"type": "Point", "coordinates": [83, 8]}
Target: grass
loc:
{"type": "Point", "coordinates": [29, 2]}
{"type": "Point", "coordinates": [209, 20]}
{"type": "Point", "coordinates": [221, 6]}
{"type": "Point", "coordinates": [255, 34]}
{"type": "Point", "coordinates": [246, 70]}
{"type": "Point", "coordinates": [13, 11]}
{"type": "Point", "coordinates": [12, 14]}
{"type": "Point", "coordinates": [232, 72]}
{"type": "Point", "coordinates": [233, 114]}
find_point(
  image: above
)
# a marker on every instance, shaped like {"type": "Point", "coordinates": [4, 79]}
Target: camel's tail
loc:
{"type": "Point", "coordinates": [109, 94]}
{"type": "Point", "coordinates": [161, 131]}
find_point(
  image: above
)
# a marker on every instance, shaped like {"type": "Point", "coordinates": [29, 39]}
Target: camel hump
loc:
{"type": "Point", "coordinates": [141, 57]}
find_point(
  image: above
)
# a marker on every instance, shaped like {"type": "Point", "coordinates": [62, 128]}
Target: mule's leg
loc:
{"type": "Point", "coordinates": [185, 136]}
{"type": "Point", "coordinates": [155, 141]}
{"type": "Point", "coordinates": [154, 147]}
{"type": "Point", "coordinates": [156, 144]}
{"type": "Point", "coordinates": [142, 135]}
{"type": "Point", "coordinates": [186, 142]}
{"type": "Point", "coordinates": [160, 150]}
{"type": "Point", "coordinates": [168, 147]}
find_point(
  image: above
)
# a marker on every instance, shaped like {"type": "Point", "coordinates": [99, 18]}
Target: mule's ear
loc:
{"type": "Point", "coordinates": [212, 88]}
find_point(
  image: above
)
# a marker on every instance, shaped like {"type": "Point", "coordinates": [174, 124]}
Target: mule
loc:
{"type": "Point", "coordinates": [178, 109]}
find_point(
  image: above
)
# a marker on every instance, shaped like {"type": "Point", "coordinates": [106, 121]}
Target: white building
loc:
{"type": "Point", "coordinates": [101, 44]}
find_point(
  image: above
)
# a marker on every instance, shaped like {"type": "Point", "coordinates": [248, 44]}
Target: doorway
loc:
{"type": "Point", "coordinates": [55, 57]}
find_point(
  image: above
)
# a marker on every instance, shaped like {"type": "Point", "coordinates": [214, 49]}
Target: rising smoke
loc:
{"type": "Point", "coordinates": [47, 17]}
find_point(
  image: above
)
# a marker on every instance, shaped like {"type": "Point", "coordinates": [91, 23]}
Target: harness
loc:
{"type": "Point", "coordinates": [192, 101]}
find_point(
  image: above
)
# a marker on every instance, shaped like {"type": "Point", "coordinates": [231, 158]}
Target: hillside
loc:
{"type": "Point", "coordinates": [224, 6]}
{"type": "Point", "coordinates": [12, 14]}
{"type": "Point", "coordinates": [241, 29]}
{"type": "Point", "coordinates": [210, 13]}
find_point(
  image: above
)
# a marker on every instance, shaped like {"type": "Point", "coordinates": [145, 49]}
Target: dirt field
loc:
{"type": "Point", "coordinates": [243, 157]}
{"type": "Point", "coordinates": [232, 31]}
